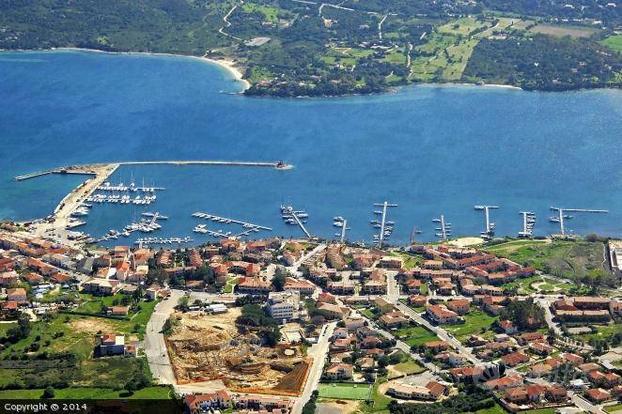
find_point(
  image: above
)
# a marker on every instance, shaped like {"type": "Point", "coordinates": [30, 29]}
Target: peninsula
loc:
{"type": "Point", "coordinates": [314, 48]}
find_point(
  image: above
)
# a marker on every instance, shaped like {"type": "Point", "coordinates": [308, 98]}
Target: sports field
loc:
{"type": "Point", "coordinates": [344, 391]}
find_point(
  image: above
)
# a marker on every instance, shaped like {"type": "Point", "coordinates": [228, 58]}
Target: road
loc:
{"type": "Point", "coordinates": [440, 332]}
{"type": "Point", "coordinates": [318, 352]}
{"type": "Point", "coordinates": [155, 346]}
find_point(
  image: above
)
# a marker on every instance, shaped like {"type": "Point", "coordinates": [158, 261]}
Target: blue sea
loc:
{"type": "Point", "coordinates": [430, 149]}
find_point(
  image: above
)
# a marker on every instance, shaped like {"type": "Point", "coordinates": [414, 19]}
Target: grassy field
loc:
{"type": "Point", "coordinates": [345, 391]}
{"type": "Point", "coordinates": [379, 402]}
{"type": "Point", "coordinates": [496, 409]}
{"type": "Point", "coordinates": [74, 335]}
{"type": "Point", "coordinates": [613, 42]}
{"type": "Point", "coordinates": [603, 332]}
{"type": "Point", "coordinates": [232, 281]}
{"type": "Point", "coordinates": [415, 335]}
{"type": "Point", "coordinates": [568, 259]}
{"type": "Point", "coordinates": [410, 260]}
{"type": "Point", "coordinates": [617, 408]}
{"type": "Point", "coordinates": [159, 393]}
{"type": "Point", "coordinates": [270, 13]}
{"type": "Point", "coordinates": [561, 31]}
{"type": "Point", "coordinates": [445, 54]}
{"type": "Point", "coordinates": [407, 365]}
{"type": "Point", "coordinates": [345, 56]}
{"type": "Point", "coordinates": [474, 322]}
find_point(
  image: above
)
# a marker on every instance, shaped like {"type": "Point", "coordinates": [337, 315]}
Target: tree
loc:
{"type": "Point", "coordinates": [48, 393]}
{"type": "Point", "coordinates": [278, 281]}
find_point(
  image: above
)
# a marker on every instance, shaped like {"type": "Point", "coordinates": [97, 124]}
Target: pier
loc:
{"type": "Point", "coordinates": [489, 230]}
{"type": "Point", "coordinates": [444, 230]}
{"type": "Point", "coordinates": [290, 212]}
{"type": "Point", "coordinates": [383, 221]}
{"type": "Point", "coordinates": [86, 169]}
{"type": "Point", "coordinates": [226, 220]}
{"type": "Point", "coordinates": [561, 216]}
{"type": "Point", "coordinates": [529, 220]}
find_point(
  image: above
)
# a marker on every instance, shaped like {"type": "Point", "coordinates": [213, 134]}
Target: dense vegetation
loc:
{"type": "Point", "coordinates": [545, 62]}
{"type": "Point", "coordinates": [471, 401]}
{"type": "Point", "coordinates": [290, 48]}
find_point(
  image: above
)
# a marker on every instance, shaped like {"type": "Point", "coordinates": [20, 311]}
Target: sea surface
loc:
{"type": "Point", "coordinates": [430, 149]}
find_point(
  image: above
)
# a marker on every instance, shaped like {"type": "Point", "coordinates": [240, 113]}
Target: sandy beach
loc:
{"type": "Point", "coordinates": [229, 65]}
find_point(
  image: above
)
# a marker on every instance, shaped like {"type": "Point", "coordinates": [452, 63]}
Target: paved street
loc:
{"type": "Point", "coordinates": [318, 352]}
{"type": "Point", "coordinates": [155, 347]}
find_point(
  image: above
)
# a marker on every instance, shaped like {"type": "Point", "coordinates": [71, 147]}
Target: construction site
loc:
{"type": "Point", "coordinates": [209, 347]}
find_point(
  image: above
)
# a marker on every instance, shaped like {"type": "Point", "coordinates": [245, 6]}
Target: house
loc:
{"type": "Point", "coordinates": [17, 295]}
{"type": "Point", "coordinates": [118, 310]}
{"type": "Point", "coordinates": [304, 287]}
{"type": "Point", "coordinates": [597, 395]}
{"type": "Point", "coordinates": [417, 301]}
{"type": "Point", "coordinates": [507, 327]}
{"type": "Point", "coordinates": [391, 262]}
{"type": "Point", "coordinates": [383, 305]}
{"type": "Point", "coordinates": [436, 346]}
{"type": "Point", "coordinates": [514, 359]}
{"type": "Point", "coordinates": [467, 374]}
{"type": "Point", "coordinates": [432, 391]}
{"type": "Point", "coordinates": [503, 383]}
{"type": "Point", "coordinates": [332, 311]}
{"type": "Point", "coordinates": [460, 306]}
{"type": "Point", "coordinates": [9, 309]}
{"type": "Point", "coordinates": [393, 320]}
{"type": "Point", "coordinates": [202, 403]}
{"type": "Point", "coordinates": [253, 286]}
{"type": "Point", "coordinates": [441, 315]}
{"type": "Point", "coordinates": [111, 344]}
{"type": "Point", "coordinates": [338, 371]}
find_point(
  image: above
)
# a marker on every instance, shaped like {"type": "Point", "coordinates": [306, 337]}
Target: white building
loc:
{"type": "Point", "coordinates": [284, 305]}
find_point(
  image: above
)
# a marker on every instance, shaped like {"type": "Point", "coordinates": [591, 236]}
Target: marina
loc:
{"type": "Point", "coordinates": [543, 137]}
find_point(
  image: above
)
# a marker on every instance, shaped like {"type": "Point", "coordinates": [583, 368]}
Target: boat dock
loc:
{"type": "Point", "coordinates": [226, 220]}
{"type": "Point", "coordinates": [529, 221]}
{"type": "Point", "coordinates": [289, 213]}
{"type": "Point", "coordinates": [561, 216]}
{"type": "Point", "coordinates": [444, 229]}
{"type": "Point", "coordinates": [489, 226]}
{"type": "Point", "coordinates": [386, 227]}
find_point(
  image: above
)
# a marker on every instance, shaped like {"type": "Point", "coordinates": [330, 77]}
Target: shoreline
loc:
{"type": "Point", "coordinates": [227, 64]}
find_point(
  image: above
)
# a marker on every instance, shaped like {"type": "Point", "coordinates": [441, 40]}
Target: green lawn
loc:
{"type": "Point", "coordinates": [160, 393]}
{"type": "Point", "coordinates": [379, 402]}
{"type": "Point", "coordinates": [407, 365]}
{"type": "Point", "coordinates": [496, 409]}
{"type": "Point", "coordinates": [563, 258]}
{"type": "Point", "coordinates": [232, 281]}
{"type": "Point", "coordinates": [613, 408]}
{"type": "Point", "coordinates": [613, 42]}
{"type": "Point", "coordinates": [474, 322]}
{"type": "Point", "coordinates": [409, 260]}
{"type": "Point", "coordinates": [344, 391]}
{"type": "Point", "coordinates": [415, 335]}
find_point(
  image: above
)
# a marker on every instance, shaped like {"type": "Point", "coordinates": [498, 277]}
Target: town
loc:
{"type": "Point", "coordinates": [292, 326]}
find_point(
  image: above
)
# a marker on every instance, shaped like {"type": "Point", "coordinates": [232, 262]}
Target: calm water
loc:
{"type": "Point", "coordinates": [430, 149]}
